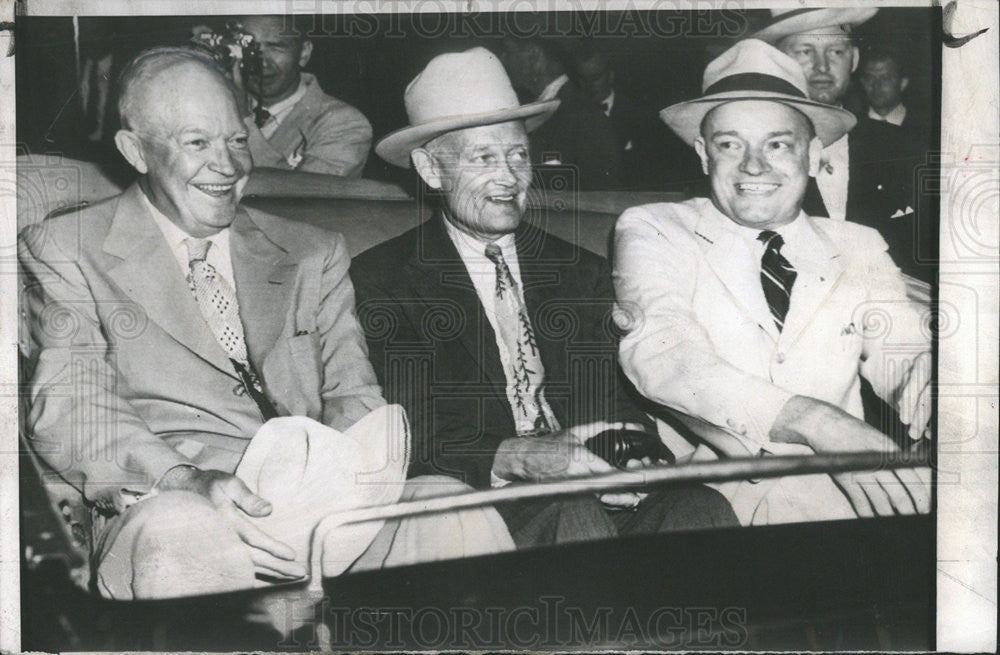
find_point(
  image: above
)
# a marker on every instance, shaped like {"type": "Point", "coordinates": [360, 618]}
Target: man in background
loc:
{"type": "Point", "coordinates": [296, 126]}
{"type": "Point", "coordinates": [576, 147]}
{"type": "Point", "coordinates": [862, 177]}
{"type": "Point", "coordinates": [652, 157]}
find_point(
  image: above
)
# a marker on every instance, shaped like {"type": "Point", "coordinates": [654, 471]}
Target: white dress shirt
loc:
{"type": "Point", "coordinates": [218, 255]}
{"type": "Point", "coordinates": [484, 278]}
{"type": "Point", "coordinates": [833, 177]}
{"type": "Point", "coordinates": [280, 110]}
{"type": "Point", "coordinates": [608, 104]}
{"type": "Point", "coordinates": [896, 115]}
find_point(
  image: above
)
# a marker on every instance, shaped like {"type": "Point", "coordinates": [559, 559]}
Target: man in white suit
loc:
{"type": "Point", "coordinates": [754, 318]}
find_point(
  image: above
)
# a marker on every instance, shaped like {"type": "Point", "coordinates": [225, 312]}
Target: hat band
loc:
{"type": "Point", "coordinates": [754, 82]}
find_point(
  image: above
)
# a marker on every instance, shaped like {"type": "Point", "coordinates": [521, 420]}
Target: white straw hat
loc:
{"type": "Point", "coordinates": [455, 91]}
{"type": "Point", "coordinates": [785, 22]}
{"type": "Point", "coordinates": [754, 70]}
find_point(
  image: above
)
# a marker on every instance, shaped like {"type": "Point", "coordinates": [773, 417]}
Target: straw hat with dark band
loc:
{"type": "Point", "coordinates": [455, 91]}
{"type": "Point", "coordinates": [753, 70]}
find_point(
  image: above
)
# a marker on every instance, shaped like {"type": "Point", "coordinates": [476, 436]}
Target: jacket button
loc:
{"type": "Point", "coordinates": [239, 390]}
{"type": "Point", "coordinates": [731, 422]}
{"type": "Point", "coordinates": [780, 358]}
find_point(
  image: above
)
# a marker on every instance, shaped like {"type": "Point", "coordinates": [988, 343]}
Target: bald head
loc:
{"type": "Point", "coordinates": [157, 79]}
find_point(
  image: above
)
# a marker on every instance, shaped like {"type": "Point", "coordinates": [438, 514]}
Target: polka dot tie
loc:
{"type": "Point", "coordinates": [216, 300]}
{"type": "Point", "coordinates": [526, 375]}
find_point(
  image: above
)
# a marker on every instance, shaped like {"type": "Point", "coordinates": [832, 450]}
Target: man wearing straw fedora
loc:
{"type": "Point", "coordinates": [492, 333]}
{"type": "Point", "coordinates": [754, 318]}
{"type": "Point", "coordinates": [866, 176]}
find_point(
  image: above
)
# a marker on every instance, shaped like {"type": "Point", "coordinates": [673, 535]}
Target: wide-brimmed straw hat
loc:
{"type": "Point", "coordinates": [754, 70]}
{"type": "Point", "coordinates": [785, 22]}
{"type": "Point", "coordinates": [455, 91]}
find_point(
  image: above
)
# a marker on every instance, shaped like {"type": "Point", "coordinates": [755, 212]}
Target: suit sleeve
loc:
{"type": "Point", "coordinates": [349, 388]}
{"type": "Point", "coordinates": [338, 142]}
{"type": "Point", "coordinates": [893, 326]}
{"type": "Point", "coordinates": [77, 421]}
{"type": "Point", "coordinates": [626, 408]}
{"type": "Point", "coordinates": [666, 352]}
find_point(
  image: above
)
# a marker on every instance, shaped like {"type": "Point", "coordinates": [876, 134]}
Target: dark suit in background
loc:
{"type": "Point", "coordinates": [653, 158]}
{"type": "Point", "coordinates": [888, 190]}
{"type": "Point", "coordinates": [579, 137]}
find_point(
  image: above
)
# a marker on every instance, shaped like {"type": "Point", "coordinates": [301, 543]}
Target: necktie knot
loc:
{"type": "Point", "coordinates": [197, 249]}
{"type": "Point", "coordinates": [494, 254]}
{"type": "Point", "coordinates": [771, 240]}
{"type": "Point", "coordinates": [261, 116]}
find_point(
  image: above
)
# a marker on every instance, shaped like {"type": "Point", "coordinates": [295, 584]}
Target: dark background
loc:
{"type": "Point", "coordinates": [367, 60]}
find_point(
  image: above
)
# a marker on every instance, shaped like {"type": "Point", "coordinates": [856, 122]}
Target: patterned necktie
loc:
{"type": "Point", "coordinates": [526, 377]}
{"type": "Point", "coordinates": [217, 302]}
{"type": "Point", "coordinates": [776, 276]}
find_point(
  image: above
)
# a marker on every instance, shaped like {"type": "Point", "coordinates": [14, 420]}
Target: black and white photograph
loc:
{"type": "Point", "coordinates": [526, 326]}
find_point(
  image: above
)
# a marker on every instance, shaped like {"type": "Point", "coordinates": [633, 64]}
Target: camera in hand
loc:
{"type": "Point", "coordinates": [618, 447]}
{"type": "Point", "coordinates": [232, 44]}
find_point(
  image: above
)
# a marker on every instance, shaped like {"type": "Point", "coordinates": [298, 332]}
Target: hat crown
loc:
{"type": "Point", "coordinates": [459, 84]}
{"type": "Point", "coordinates": [754, 57]}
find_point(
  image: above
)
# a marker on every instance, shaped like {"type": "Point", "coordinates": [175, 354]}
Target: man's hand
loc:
{"type": "Point", "coordinates": [828, 429]}
{"type": "Point", "coordinates": [559, 455]}
{"type": "Point", "coordinates": [234, 501]}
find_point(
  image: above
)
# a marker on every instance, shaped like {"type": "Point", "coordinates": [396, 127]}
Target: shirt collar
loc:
{"type": "Point", "coordinates": [553, 87]}
{"type": "Point", "coordinates": [896, 115]}
{"type": "Point", "coordinates": [284, 105]}
{"type": "Point", "coordinates": [472, 249]}
{"type": "Point", "coordinates": [176, 237]}
{"type": "Point", "coordinates": [608, 102]}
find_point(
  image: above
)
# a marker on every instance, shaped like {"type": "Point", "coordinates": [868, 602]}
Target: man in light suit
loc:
{"type": "Point", "coordinates": [493, 334]}
{"type": "Point", "coordinates": [754, 318]}
{"type": "Point", "coordinates": [170, 324]}
{"type": "Point", "coordinates": [298, 127]}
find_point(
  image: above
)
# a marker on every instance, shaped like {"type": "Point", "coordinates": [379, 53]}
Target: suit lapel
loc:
{"type": "Point", "coordinates": [819, 274]}
{"type": "Point", "coordinates": [541, 284]}
{"type": "Point", "coordinates": [264, 278]}
{"type": "Point", "coordinates": [149, 274]}
{"type": "Point", "coordinates": [440, 273]}
{"type": "Point", "coordinates": [730, 260]}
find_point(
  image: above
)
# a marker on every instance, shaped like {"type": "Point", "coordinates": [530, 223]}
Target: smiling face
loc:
{"type": "Point", "coordinates": [282, 55]}
{"type": "Point", "coordinates": [191, 145]}
{"type": "Point", "coordinates": [484, 173]}
{"type": "Point", "coordinates": [759, 156]}
{"type": "Point", "coordinates": [827, 58]}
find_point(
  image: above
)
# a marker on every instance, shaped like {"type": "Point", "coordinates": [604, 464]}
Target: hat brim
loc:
{"type": "Point", "coordinates": [783, 26]}
{"type": "Point", "coordinates": [396, 147]}
{"type": "Point", "coordinates": [685, 118]}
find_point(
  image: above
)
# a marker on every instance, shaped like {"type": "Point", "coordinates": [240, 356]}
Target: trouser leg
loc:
{"type": "Point", "coordinates": [677, 508]}
{"type": "Point", "coordinates": [173, 544]}
{"type": "Point", "coordinates": [557, 520]}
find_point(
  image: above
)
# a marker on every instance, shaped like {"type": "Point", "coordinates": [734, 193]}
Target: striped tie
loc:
{"type": "Point", "coordinates": [776, 276]}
